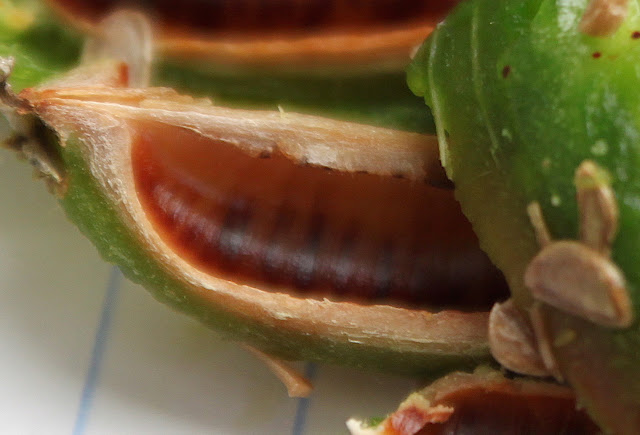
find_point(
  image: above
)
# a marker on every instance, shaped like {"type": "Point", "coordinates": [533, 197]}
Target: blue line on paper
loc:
{"type": "Point", "coordinates": [97, 354]}
{"type": "Point", "coordinates": [300, 421]}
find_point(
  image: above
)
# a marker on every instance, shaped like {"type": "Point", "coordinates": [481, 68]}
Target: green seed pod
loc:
{"type": "Point", "coordinates": [536, 105]}
{"type": "Point", "coordinates": [306, 237]}
{"type": "Point", "coordinates": [484, 402]}
{"type": "Point", "coordinates": [313, 57]}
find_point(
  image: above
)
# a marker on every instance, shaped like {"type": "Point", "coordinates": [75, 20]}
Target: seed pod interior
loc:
{"type": "Point", "coordinates": [484, 402]}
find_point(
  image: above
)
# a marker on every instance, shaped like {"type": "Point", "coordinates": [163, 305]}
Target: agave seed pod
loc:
{"type": "Point", "coordinates": [484, 402]}
{"type": "Point", "coordinates": [337, 247]}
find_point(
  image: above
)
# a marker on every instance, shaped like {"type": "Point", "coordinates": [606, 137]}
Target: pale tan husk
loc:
{"type": "Point", "coordinates": [98, 117]}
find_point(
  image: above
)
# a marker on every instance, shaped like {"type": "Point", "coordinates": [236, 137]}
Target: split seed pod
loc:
{"type": "Point", "coordinates": [306, 237]}
{"type": "Point", "coordinates": [484, 402]}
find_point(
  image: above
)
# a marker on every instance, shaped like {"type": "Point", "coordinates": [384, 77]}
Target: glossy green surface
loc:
{"type": "Point", "coordinates": [521, 97]}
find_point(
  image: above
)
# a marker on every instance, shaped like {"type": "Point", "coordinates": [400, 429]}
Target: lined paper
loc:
{"type": "Point", "coordinates": [86, 352]}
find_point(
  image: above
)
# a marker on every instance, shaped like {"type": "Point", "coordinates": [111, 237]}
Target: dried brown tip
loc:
{"type": "Point", "coordinates": [539, 226]}
{"type": "Point", "coordinates": [512, 340]}
{"type": "Point", "coordinates": [296, 384]}
{"type": "Point", "coordinates": [545, 344]}
{"type": "Point", "coordinates": [603, 17]}
{"type": "Point", "coordinates": [576, 279]}
{"type": "Point", "coordinates": [597, 207]}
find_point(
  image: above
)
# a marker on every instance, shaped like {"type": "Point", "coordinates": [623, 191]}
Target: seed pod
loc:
{"type": "Point", "coordinates": [292, 34]}
{"type": "Point", "coordinates": [522, 97]}
{"type": "Point", "coordinates": [352, 265]}
{"type": "Point", "coordinates": [348, 64]}
{"type": "Point", "coordinates": [484, 402]}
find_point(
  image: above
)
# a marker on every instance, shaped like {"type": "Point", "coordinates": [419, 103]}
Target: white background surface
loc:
{"type": "Point", "coordinates": [84, 351]}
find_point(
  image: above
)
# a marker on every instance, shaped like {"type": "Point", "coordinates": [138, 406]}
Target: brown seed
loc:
{"type": "Point", "coordinates": [539, 226]}
{"type": "Point", "coordinates": [597, 207]}
{"type": "Point", "coordinates": [603, 17]}
{"type": "Point", "coordinates": [513, 341]}
{"type": "Point", "coordinates": [576, 279]}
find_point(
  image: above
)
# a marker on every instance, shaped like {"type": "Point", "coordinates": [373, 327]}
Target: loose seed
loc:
{"type": "Point", "coordinates": [574, 278]}
{"type": "Point", "coordinates": [512, 341]}
{"type": "Point", "coordinates": [603, 17]}
{"type": "Point", "coordinates": [597, 207]}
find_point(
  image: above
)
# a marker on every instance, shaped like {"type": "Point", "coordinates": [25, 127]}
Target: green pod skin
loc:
{"type": "Point", "coordinates": [521, 97]}
{"type": "Point", "coordinates": [44, 45]}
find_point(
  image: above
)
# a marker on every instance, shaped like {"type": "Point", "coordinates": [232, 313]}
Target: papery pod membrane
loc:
{"type": "Point", "coordinates": [522, 97]}
{"type": "Point", "coordinates": [484, 402]}
{"type": "Point", "coordinates": [364, 263]}
{"type": "Point", "coordinates": [247, 61]}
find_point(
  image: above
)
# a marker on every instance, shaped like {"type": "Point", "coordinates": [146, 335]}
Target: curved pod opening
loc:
{"type": "Point", "coordinates": [332, 232]}
{"type": "Point", "coordinates": [270, 222]}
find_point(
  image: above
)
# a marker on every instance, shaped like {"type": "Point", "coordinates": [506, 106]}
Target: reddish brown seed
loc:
{"type": "Point", "coordinates": [302, 228]}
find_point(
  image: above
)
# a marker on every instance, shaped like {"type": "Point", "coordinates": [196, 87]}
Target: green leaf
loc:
{"type": "Point", "coordinates": [521, 97]}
